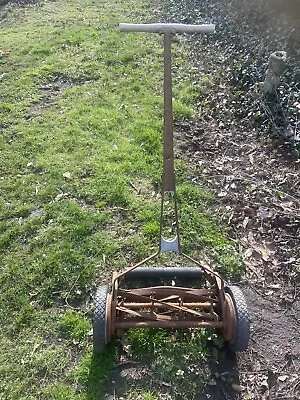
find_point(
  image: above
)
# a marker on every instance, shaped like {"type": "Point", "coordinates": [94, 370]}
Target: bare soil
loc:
{"type": "Point", "coordinates": [246, 176]}
{"type": "Point", "coordinates": [21, 3]}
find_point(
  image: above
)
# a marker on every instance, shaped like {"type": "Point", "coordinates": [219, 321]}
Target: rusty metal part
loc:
{"type": "Point", "coordinates": [210, 274]}
{"type": "Point", "coordinates": [109, 318]}
{"type": "Point", "coordinates": [169, 324]}
{"type": "Point", "coordinates": [168, 177]}
{"type": "Point", "coordinates": [168, 184]}
{"type": "Point", "coordinates": [229, 319]}
{"type": "Point", "coordinates": [167, 306]}
{"type": "Point", "coordinates": [167, 290]}
{"type": "Point", "coordinates": [163, 305]}
{"type": "Point", "coordinates": [113, 304]}
{"type": "Point", "coordinates": [171, 306]}
{"type": "Point", "coordinates": [118, 276]}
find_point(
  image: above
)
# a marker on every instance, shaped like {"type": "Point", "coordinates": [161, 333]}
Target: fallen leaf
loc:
{"type": "Point", "coordinates": [251, 158]}
{"type": "Point", "coordinates": [126, 346]}
{"type": "Point", "coordinates": [67, 175]}
{"type": "Point", "coordinates": [59, 196]}
{"type": "Point", "coordinates": [266, 394]}
{"type": "Point", "coordinates": [269, 293]}
{"type": "Point", "coordinates": [237, 388]}
{"type": "Point", "coordinates": [276, 286]}
{"type": "Point", "coordinates": [282, 378]}
{"type": "Point", "coordinates": [263, 251]}
{"type": "Point", "coordinates": [248, 253]}
{"type": "Point", "coordinates": [212, 382]}
{"type": "Point", "coordinates": [35, 347]}
{"type": "Point", "coordinates": [245, 222]}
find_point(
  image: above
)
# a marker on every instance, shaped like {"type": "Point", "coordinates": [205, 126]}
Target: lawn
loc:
{"type": "Point", "coordinates": [80, 161]}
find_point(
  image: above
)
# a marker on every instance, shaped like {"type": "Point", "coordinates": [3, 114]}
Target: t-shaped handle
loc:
{"type": "Point", "coordinates": [163, 28]}
{"type": "Point", "coordinates": [168, 181]}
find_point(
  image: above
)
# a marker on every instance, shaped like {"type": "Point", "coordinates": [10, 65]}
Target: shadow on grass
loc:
{"type": "Point", "coordinates": [110, 381]}
{"type": "Point", "coordinates": [100, 367]}
{"type": "Point", "coordinates": [224, 374]}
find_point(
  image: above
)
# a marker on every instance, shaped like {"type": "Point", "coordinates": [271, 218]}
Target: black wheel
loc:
{"type": "Point", "coordinates": [242, 319]}
{"type": "Point", "coordinates": [99, 320]}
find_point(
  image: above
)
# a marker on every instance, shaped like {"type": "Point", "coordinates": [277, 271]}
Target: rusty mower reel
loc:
{"type": "Point", "coordinates": [169, 297]}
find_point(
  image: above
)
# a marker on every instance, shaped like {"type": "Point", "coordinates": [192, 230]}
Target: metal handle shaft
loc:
{"type": "Point", "coordinates": [168, 178]}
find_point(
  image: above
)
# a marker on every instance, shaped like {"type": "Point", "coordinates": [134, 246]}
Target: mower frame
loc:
{"type": "Point", "coordinates": [170, 306]}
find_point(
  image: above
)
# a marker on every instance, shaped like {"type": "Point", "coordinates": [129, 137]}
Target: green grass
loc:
{"type": "Point", "coordinates": [175, 360]}
{"type": "Point", "coordinates": [80, 127]}
{"type": "Point", "coordinates": [74, 326]}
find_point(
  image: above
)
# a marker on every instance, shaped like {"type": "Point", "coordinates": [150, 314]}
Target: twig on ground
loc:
{"type": "Point", "coordinates": [138, 191]}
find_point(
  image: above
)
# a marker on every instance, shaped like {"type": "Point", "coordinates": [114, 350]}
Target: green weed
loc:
{"type": "Point", "coordinates": [74, 325]}
{"type": "Point", "coordinates": [141, 395]}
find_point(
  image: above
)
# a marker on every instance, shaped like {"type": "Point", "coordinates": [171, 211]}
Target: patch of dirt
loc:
{"type": "Point", "coordinates": [270, 369]}
{"type": "Point", "coordinates": [51, 89]}
{"type": "Point", "coordinates": [47, 94]}
{"type": "Point", "coordinates": [20, 3]}
{"type": "Point", "coordinates": [260, 190]}
{"type": "Point", "coordinates": [224, 374]}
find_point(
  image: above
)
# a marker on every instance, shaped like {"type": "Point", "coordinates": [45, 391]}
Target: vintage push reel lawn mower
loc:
{"type": "Point", "coordinates": [146, 297]}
